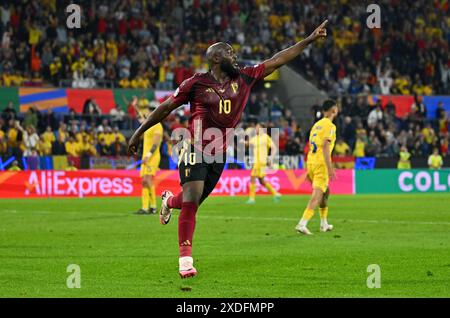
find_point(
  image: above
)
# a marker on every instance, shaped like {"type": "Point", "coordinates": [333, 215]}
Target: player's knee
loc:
{"type": "Point", "coordinates": [314, 201]}
{"type": "Point", "coordinates": [192, 195]}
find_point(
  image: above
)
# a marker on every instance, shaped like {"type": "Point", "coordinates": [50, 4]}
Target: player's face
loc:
{"type": "Point", "coordinates": [229, 62]}
{"type": "Point", "coordinates": [334, 111]}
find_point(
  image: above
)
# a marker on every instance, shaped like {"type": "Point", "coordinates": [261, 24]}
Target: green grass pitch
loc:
{"type": "Point", "coordinates": [239, 250]}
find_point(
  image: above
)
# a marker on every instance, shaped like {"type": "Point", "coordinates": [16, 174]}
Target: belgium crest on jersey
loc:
{"type": "Point", "coordinates": [234, 86]}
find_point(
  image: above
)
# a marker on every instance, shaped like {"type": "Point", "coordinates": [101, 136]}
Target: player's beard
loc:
{"type": "Point", "coordinates": [229, 68]}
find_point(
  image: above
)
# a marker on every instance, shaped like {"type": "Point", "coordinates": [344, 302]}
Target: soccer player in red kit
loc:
{"type": "Point", "coordinates": [217, 100]}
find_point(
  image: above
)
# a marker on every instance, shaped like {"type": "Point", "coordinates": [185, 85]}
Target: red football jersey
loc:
{"type": "Point", "coordinates": [216, 105]}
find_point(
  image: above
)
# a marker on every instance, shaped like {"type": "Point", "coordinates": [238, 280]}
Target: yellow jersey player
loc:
{"type": "Point", "coordinates": [435, 160]}
{"type": "Point", "coordinates": [404, 162]}
{"type": "Point", "coordinates": [150, 163]}
{"type": "Point", "coordinates": [259, 146]}
{"type": "Point", "coordinates": [319, 167]}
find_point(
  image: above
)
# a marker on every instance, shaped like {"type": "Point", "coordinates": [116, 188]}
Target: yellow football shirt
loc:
{"type": "Point", "coordinates": [12, 137]}
{"type": "Point", "coordinates": [44, 147]}
{"type": "Point", "coordinates": [148, 143]}
{"type": "Point", "coordinates": [341, 149]}
{"type": "Point", "coordinates": [404, 162]}
{"type": "Point", "coordinates": [49, 137]}
{"type": "Point", "coordinates": [359, 148]}
{"type": "Point", "coordinates": [260, 145]}
{"type": "Point", "coordinates": [120, 136]}
{"type": "Point", "coordinates": [323, 130]}
{"type": "Point", "coordinates": [72, 148]}
{"type": "Point", "coordinates": [435, 162]}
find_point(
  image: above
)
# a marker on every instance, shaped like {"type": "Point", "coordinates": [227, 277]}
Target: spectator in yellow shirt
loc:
{"type": "Point", "coordinates": [72, 147]}
{"type": "Point", "coordinates": [34, 35]}
{"type": "Point", "coordinates": [404, 162]}
{"type": "Point", "coordinates": [3, 146]}
{"type": "Point", "coordinates": [92, 148]}
{"type": "Point", "coordinates": [118, 134]}
{"type": "Point", "coordinates": [85, 147]}
{"type": "Point", "coordinates": [48, 135]}
{"type": "Point", "coordinates": [428, 134]}
{"type": "Point", "coordinates": [125, 82]}
{"type": "Point", "coordinates": [359, 150]}
{"type": "Point", "coordinates": [2, 133]}
{"type": "Point", "coordinates": [62, 132]}
{"type": "Point", "coordinates": [435, 160]}
{"type": "Point", "coordinates": [44, 146]}
{"type": "Point", "coordinates": [12, 134]}
{"type": "Point", "coordinates": [15, 166]}
{"type": "Point", "coordinates": [341, 149]}
{"type": "Point", "coordinates": [109, 136]}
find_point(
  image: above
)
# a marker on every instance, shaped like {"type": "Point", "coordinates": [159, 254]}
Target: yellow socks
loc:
{"type": "Point", "coordinates": [152, 197]}
{"type": "Point", "coordinates": [323, 213]}
{"type": "Point", "coordinates": [270, 188]}
{"type": "Point", "coordinates": [307, 215]}
{"type": "Point", "coordinates": [323, 216]}
{"type": "Point", "coordinates": [145, 198]}
{"type": "Point", "coordinates": [252, 191]}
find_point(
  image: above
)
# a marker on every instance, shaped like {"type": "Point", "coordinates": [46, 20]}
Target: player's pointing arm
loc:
{"type": "Point", "coordinates": [292, 52]}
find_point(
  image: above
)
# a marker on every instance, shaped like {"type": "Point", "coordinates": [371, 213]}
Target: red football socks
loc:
{"type": "Point", "coordinates": [174, 202]}
{"type": "Point", "coordinates": [186, 227]}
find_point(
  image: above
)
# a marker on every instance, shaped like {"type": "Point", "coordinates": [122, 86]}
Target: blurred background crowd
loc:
{"type": "Point", "coordinates": [142, 44]}
{"type": "Point", "coordinates": [363, 130]}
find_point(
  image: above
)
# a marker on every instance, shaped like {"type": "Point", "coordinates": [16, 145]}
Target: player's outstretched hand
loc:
{"type": "Point", "coordinates": [320, 32]}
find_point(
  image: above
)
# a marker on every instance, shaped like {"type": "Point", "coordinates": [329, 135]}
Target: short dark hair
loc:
{"type": "Point", "coordinates": [328, 104]}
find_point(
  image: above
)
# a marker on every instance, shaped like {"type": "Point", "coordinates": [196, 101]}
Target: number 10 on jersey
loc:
{"type": "Point", "coordinates": [225, 106]}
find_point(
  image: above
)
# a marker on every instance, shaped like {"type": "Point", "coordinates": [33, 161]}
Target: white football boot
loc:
{"type": "Point", "coordinates": [302, 230]}
{"type": "Point", "coordinates": [326, 227]}
{"type": "Point", "coordinates": [187, 268]}
{"type": "Point", "coordinates": [165, 213]}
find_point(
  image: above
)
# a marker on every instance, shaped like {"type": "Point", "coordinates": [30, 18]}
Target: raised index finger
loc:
{"type": "Point", "coordinates": [324, 24]}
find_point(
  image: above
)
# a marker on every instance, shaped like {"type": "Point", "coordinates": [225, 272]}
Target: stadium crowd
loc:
{"type": "Point", "coordinates": [157, 44]}
{"type": "Point", "coordinates": [142, 44]}
{"type": "Point", "coordinates": [363, 130]}
{"type": "Point", "coordinates": [377, 131]}
{"type": "Point", "coordinates": [408, 55]}
{"type": "Point", "coordinates": [46, 134]}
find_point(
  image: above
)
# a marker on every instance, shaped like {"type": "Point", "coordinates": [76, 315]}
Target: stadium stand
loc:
{"type": "Point", "coordinates": [155, 45]}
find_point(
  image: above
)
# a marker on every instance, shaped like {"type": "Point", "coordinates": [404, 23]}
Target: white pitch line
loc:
{"type": "Point", "coordinates": [252, 218]}
{"type": "Point", "coordinates": [337, 219]}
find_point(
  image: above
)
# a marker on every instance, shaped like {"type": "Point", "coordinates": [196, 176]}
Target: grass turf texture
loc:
{"type": "Point", "coordinates": [239, 250]}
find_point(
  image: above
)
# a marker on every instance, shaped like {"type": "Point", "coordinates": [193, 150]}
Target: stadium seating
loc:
{"type": "Point", "coordinates": [151, 44]}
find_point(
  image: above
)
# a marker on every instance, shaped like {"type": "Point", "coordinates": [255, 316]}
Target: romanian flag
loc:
{"type": "Point", "coordinates": [43, 99]}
